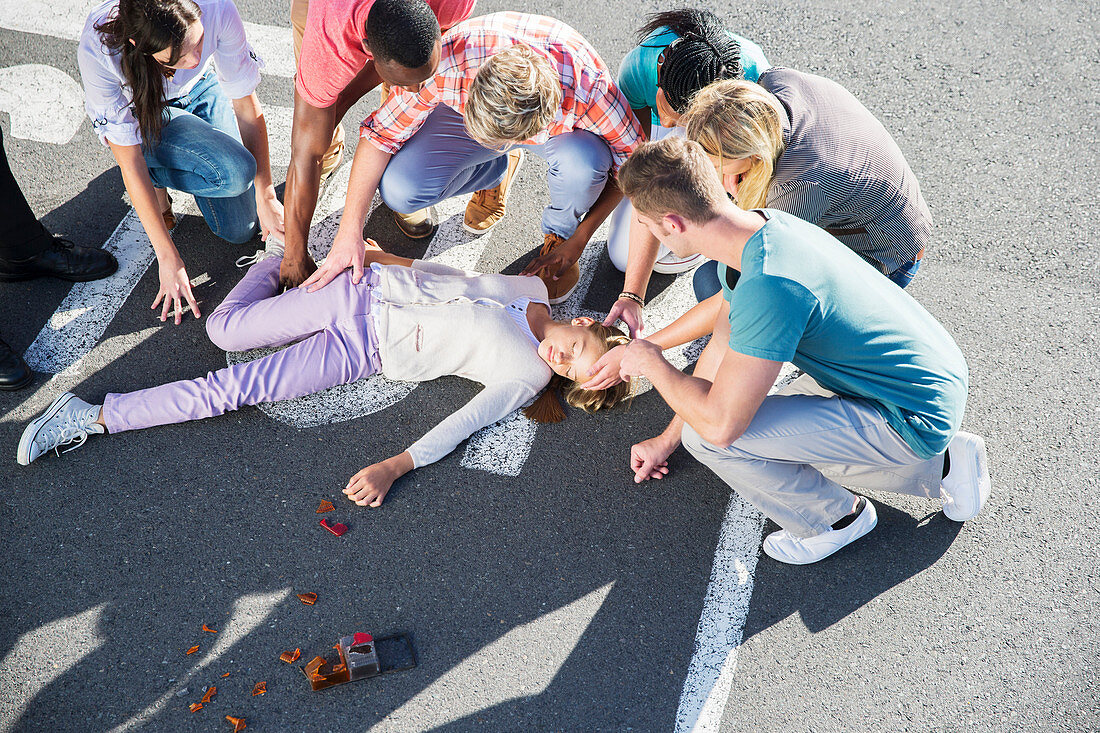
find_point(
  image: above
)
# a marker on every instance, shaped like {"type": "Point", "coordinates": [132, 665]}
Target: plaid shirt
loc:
{"type": "Point", "coordinates": [590, 101]}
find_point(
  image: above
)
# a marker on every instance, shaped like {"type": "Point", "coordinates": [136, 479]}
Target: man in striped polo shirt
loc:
{"type": "Point", "coordinates": [505, 83]}
{"type": "Point", "coordinates": [896, 380]}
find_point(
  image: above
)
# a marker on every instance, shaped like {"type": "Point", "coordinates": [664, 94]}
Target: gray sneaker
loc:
{"type": "Point", "coordinates": [273, 247]}
{"type": "Point", "coordinates": [68, 420]}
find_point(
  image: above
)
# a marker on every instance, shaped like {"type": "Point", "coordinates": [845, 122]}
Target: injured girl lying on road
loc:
{"type": "Point", "coordinates": [408, 320]}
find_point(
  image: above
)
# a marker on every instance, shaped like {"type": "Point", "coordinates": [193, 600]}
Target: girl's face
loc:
{"type": "Point", "coordinates": [731, 171]}
{"type": "Point", "coordinates": [190, 50]}
{"type": "Point", "coordinates": [572, 349]}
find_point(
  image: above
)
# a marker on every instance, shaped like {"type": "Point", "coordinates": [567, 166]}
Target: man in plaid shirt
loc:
{"type": "Point", "coordinates": [505, 83]}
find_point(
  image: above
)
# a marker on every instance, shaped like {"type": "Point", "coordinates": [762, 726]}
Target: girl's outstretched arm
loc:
{"type": "Point", "coordinates": [370, 486]}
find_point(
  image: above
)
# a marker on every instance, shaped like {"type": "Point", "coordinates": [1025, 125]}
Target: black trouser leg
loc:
{"type": "Point", "coordinates": [21, 234]}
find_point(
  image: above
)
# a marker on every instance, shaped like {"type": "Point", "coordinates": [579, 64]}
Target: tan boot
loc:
{"type": "Point", "coordinates": [486, 207]}
{"type": "Point", "coordinates": [416, 225]}
{"type": "Point", "coordinates": [166, 212]}
{"type": "Point", "coordinates": [334, 155]}
{"type": "Point", "coordinates": [559, 290]}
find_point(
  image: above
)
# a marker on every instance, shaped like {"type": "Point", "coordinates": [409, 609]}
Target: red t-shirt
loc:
{"type": "Point", "coordinates": [332, 46]}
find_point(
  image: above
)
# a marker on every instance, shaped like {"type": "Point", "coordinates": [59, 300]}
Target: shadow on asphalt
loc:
{"type": "Point", "coordinates": [900, 547]}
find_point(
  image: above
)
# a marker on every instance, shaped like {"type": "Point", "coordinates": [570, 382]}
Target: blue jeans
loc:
{"type": "Point", "coordinates": [705, 281]}
{"type": "Point", "coordinates": [441, 160]}
{"type": "Point", "coordinates": [200, 152]}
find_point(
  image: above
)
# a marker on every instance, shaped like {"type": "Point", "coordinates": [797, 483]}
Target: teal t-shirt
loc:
{"type": "Point", "coordinates": [805, 298]}
{"type": "Point", "coordinates": [638, 73]}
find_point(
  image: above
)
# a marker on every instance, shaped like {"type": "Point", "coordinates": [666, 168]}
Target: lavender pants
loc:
{"type": "Point", "coordinates": [336, 344]}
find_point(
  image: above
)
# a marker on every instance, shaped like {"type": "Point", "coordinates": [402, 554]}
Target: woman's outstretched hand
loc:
{"type": "Point", "coordinates": [370, 486]}
{"type": "Point", "coordinates": [175, 289]}
{"type": "Point", "coordinates": [629, 313]}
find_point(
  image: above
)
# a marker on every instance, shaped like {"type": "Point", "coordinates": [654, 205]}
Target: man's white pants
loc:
{"type": "Point", "coordinates": [799, 448]}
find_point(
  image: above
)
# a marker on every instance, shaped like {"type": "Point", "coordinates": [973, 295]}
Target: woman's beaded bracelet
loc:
{"type": "Point", "coordinates": [632, 296]}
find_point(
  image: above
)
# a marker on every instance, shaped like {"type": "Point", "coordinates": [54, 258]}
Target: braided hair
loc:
{"type": "Point", "coordinates": [703, 53]}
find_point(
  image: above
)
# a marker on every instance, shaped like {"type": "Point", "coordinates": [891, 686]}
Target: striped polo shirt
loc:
{"type": "Point", "coordinates": [841, 170]}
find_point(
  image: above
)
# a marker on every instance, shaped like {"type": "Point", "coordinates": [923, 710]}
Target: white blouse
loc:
{"type": "Point", "coordinates": [107, 96]}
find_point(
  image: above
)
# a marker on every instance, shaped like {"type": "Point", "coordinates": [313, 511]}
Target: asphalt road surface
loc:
{"type": "Point", "coordinates": [544, 590]}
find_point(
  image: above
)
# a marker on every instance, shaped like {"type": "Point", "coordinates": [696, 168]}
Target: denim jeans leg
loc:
{"type": "Point", "coordinates": [200, 152]}
{"type": "Point", "coordinates": [579, 163]}
{"type": "Point", "coordinates": [904, 275]}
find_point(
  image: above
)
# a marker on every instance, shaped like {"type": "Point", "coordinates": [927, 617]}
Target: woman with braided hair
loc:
{"type": "Point", "coordinates": [678, 53]}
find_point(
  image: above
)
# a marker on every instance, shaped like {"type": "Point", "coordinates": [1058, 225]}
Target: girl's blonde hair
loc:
{"type": "Point", "coordinates": [737, 119]}
{"type": "Point", "coordinates": [547, 408]}
{"type": "Point", "coordinates": [514, 96]}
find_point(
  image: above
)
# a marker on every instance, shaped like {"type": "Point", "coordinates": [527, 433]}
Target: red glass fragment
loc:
{"type": "Point", "coordinates": [326, 506]}
{"type": "Point", "coordinates": [193, 649]}
{"type": "Point", "coordinates": [209, 695]}
{"type": "Point", "coordinates": [207, 628]}
{"type": "Point", "coordinates": [291, 657]}
{"type": "Point", "coordinates": [259, 689]}
{"type": "Point", "coordinates": [337, 529]}
{"type": "Point", "coordinates": [195, 707]}
{"type": "Point", "coordinates": [307, 598]}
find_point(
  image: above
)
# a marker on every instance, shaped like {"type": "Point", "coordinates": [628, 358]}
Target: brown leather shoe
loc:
{"type": "Point", "coordinates": [416, 225]}
{"type": "Point", "coordinates": [170, 220]}
{"type": "Point", "coordinates": [486, 207]}
{"type": "Point", "coordinates": [559, 290]}
{"type": "Point", "coordinates": [332, 158]}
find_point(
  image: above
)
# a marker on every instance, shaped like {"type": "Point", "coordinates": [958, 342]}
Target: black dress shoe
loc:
{"type": "Point", "coordinates": [14, 372]}
{"type": "Point", "coordinates": [61, 259]}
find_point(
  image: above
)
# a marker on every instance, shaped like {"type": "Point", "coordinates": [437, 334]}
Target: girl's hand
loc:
{"type": "Point", "coordinates": [270, 212]}
{"type": "Point", "coordinates": [370, 486]}
{"type": "Point", "coordinates": [175, 288]}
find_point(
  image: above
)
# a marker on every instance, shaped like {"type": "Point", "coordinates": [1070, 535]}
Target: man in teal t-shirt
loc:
{"type": "Point", "coordinates": [895, 378]}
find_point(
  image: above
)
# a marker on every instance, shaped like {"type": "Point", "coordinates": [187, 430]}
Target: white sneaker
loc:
{"type": "Point", "coordinates": [673, 264]}
{"type": "Point", "coordinates": [966, 486]}
{"type": "Point", "coordinates": [273, 247]}
{"type": "Point", "coordinates": [69, 419]}
{"type": "Point", "coordinates": [785, 547]}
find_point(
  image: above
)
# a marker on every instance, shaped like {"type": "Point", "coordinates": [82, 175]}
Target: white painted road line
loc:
{"type": "Point", "coordinates": [65, 20]}
{"type": "Point", "coordinates": [89, 308]}
{"type": "Point", "coordinates": [45, 103]}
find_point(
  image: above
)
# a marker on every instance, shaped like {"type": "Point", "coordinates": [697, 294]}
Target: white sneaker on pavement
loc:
{"type": "Point", "coordinates": [785, 547]}
{"type": "Point", "coordinates": [273, 247]}
{"type": "Point", "coordinates": [68, 420]}
{"type": "Point", "coordinates": [673, 264]}
{"type": "Point", "coordinates": [966, 486]}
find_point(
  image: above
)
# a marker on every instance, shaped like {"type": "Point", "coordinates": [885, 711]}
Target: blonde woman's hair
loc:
{"type": "Point", "coordinates": [547, 408]}
{"type": "Point", "coordinates": [735, 119]}
{"type": "Point", "coordinates": [514, 96]}
{"type": "Point", "coordinates": [672, 176]}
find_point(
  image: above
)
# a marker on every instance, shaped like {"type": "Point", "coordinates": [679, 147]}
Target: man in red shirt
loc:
{"type": "Point", "coordinates": [335, 69]}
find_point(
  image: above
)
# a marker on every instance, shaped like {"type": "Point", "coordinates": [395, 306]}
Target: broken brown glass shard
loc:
{"type": "Point", "coordinates": [307, 598]}
{"type": "Point", "coordinates": [193, 649]}
{"type": "Point", "coordinates": [259, 689]}
{"type": "Point", "coordinates": [207, 628]}
{"type": "Point", "coordinates": [326, 506]}
{"type": "Point", "coordinates": [238, 723]}
{"type": "Point", "coordinates": [291, 657]}
{"type": "Point", "coordinates": [323, 673]}
{"type": "Point", "coordinates": [195, 707]}
{"type": "Point", "coordinates": [209, 695]}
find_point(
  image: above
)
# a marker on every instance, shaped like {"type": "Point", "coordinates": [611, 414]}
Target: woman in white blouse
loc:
{"type": "Point", "coordinates": [155, 99]}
